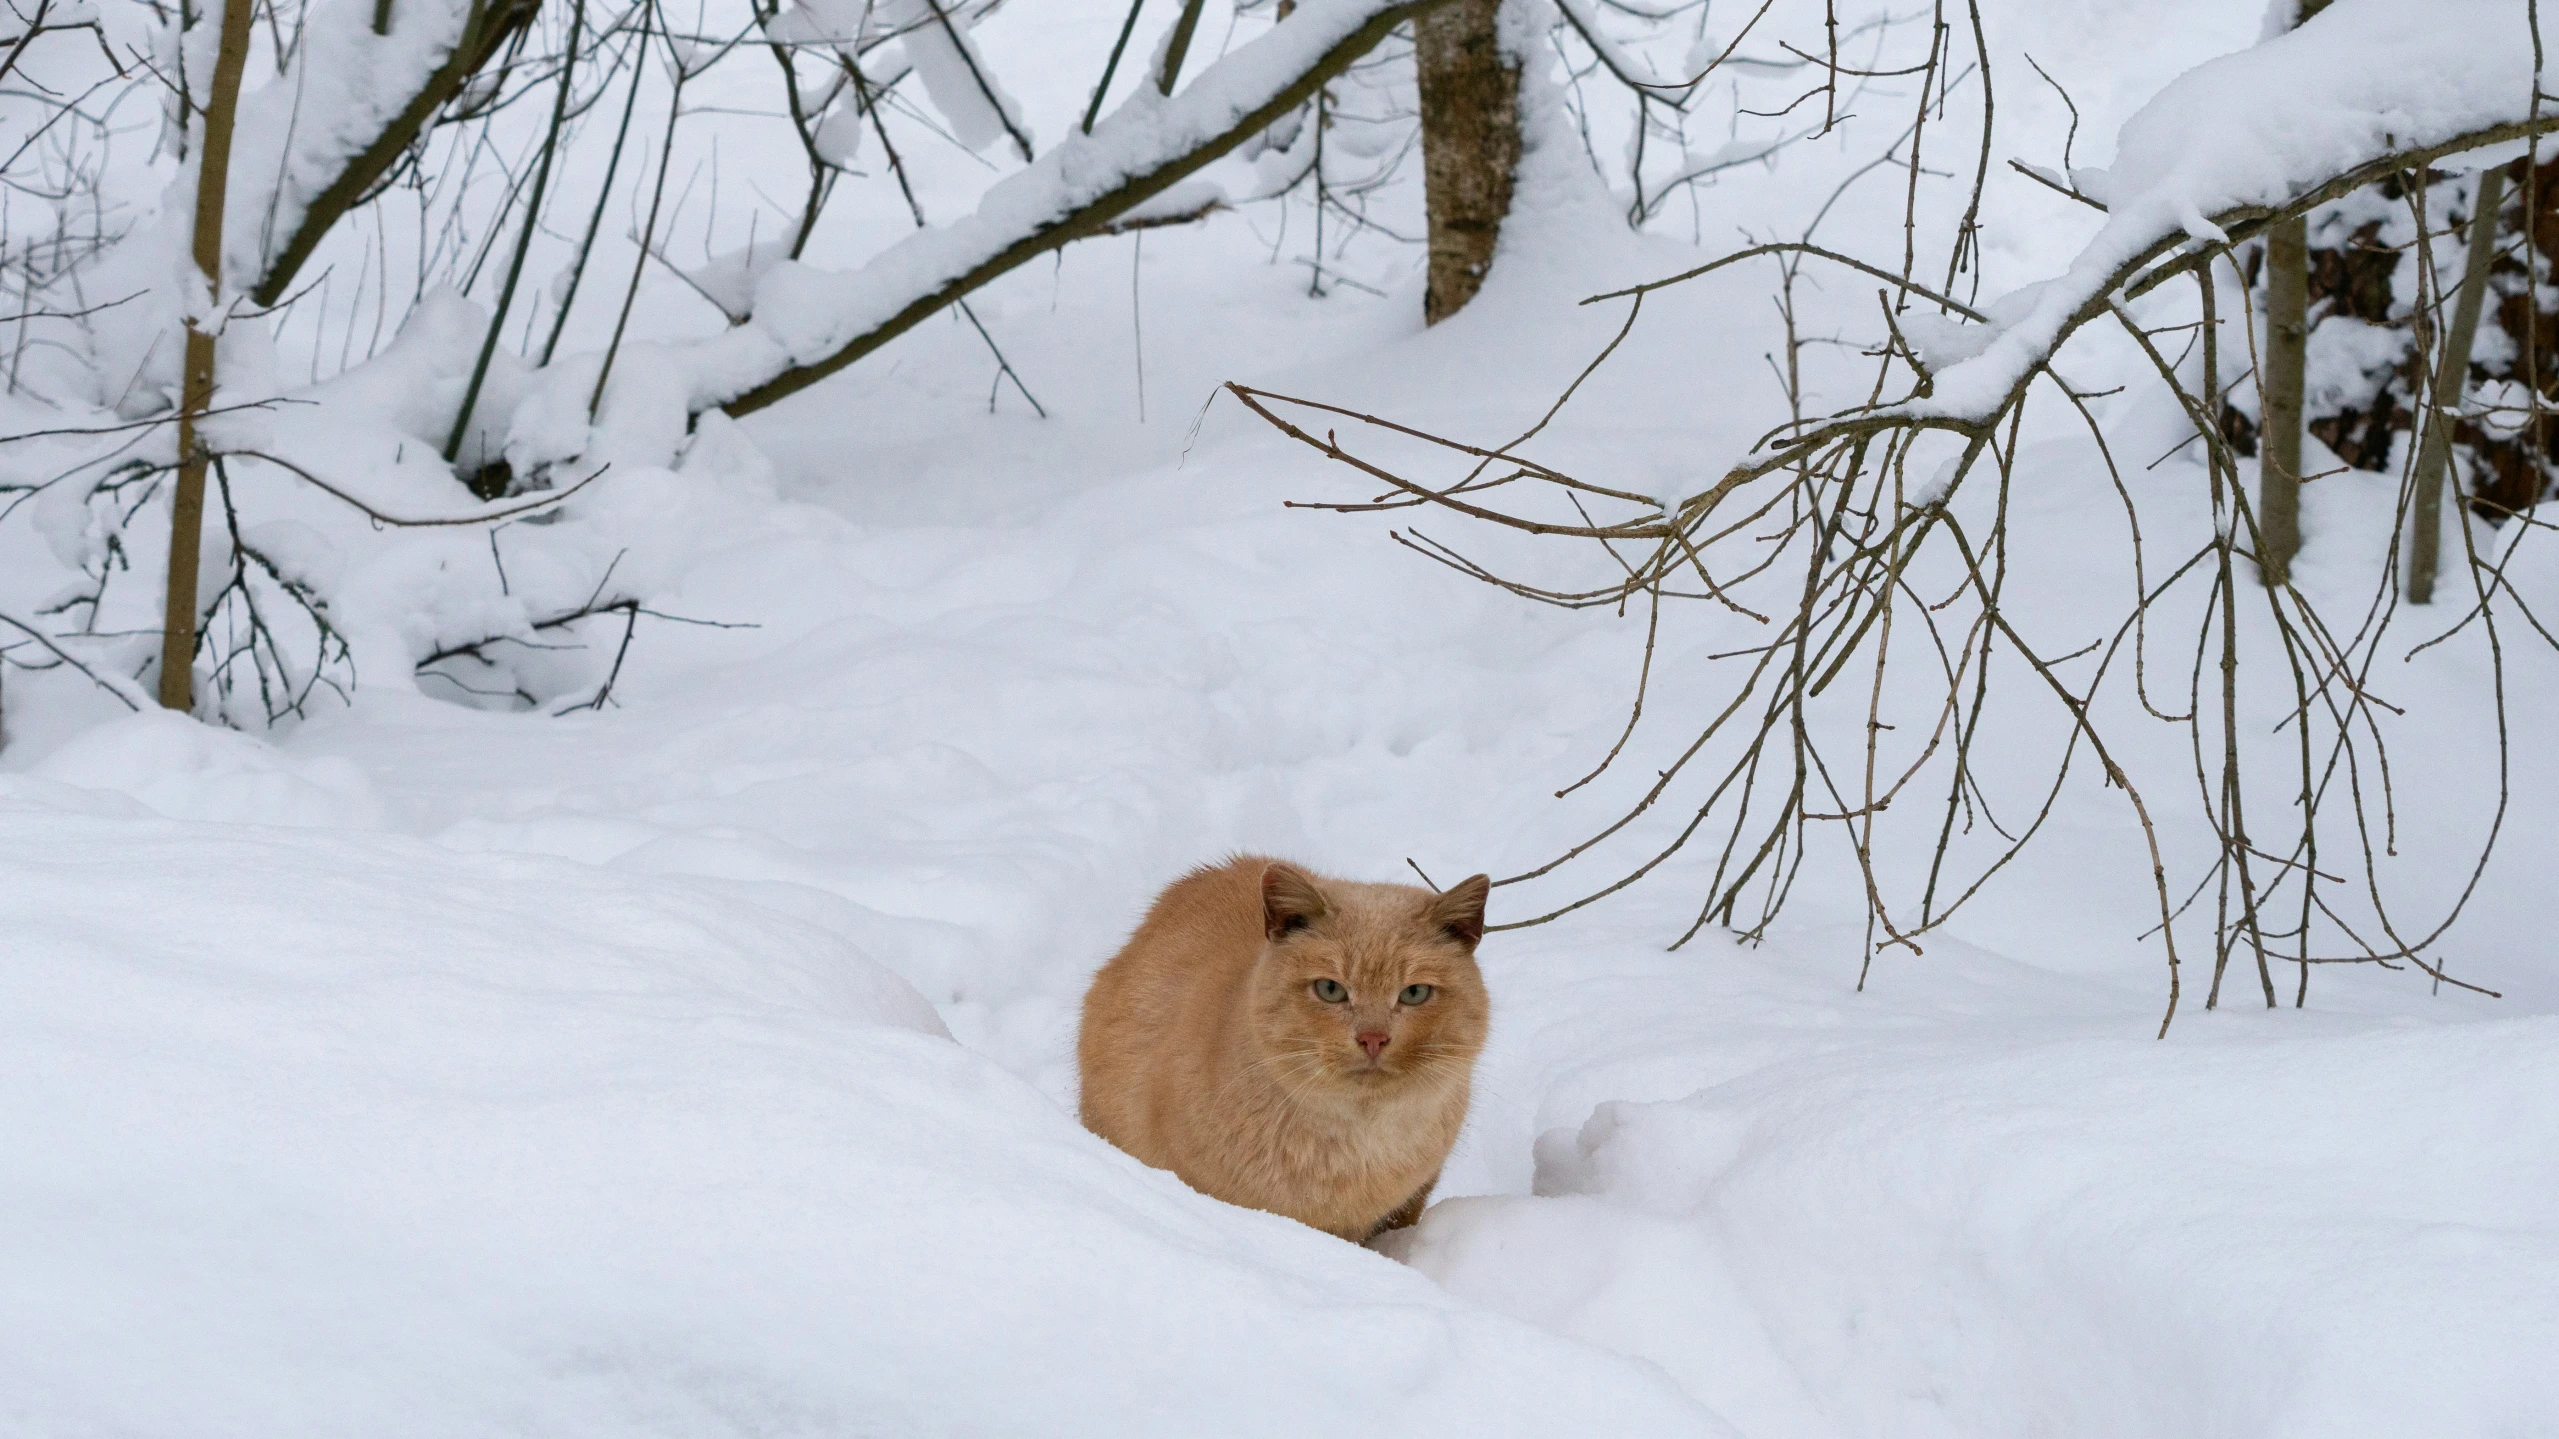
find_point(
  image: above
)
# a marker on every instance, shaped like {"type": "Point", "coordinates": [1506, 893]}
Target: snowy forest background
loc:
{"type": "Point", "coordinates": [598, 639]}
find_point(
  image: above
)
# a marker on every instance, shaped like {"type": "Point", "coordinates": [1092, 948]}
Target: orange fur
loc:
{"type": "Point", "coordinates": [1208, 1050]}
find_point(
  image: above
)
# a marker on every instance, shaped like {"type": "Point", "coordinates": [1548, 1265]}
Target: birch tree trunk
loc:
{"type": "Point", "coordinates": [1470, 145]}
{"type": "Point", "coordinates": [2287, 346]}
{"type": "Point", "coordinates": [2443, 401]}
{"type": "Point", "coordinates": [2279, 444]}
{"type": "Point", "coordinates": [186, 509]}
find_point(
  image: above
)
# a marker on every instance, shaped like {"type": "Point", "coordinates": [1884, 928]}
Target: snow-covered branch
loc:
{"type": "Point", "coordinates": [809, 323]}
{"type": "Point", "coordinates": [2368, 89]}
{"type": "Point", "coordinates": [2213, 160]}
{"type": "Point", "coordinates": [319, 137]}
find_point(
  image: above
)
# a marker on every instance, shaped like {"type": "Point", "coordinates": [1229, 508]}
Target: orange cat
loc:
{"type": "Point", "coordinates": [1292, 1043]}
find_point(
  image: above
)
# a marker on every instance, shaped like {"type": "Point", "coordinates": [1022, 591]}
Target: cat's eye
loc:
{"type": "Point", "coordinates": [1415, 993]}
{"type": "Point", "coordinates": [1330, 991]}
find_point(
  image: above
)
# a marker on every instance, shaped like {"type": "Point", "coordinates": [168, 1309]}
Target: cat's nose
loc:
{"type": "Point", "coordinates": [1372, 1040]}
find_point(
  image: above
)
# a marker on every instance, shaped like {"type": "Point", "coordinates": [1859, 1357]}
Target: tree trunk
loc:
{"type": "Point", "coordinates": [186, 508]}
{"type": "Point", "coordinates": [2279, 445]}
{"type": "Point", "coordinates": [1470, 145]}
{"type": "Point", "coordinates": [2287, 345]}
{"type": "Point", "coordinates": [2443, 402]}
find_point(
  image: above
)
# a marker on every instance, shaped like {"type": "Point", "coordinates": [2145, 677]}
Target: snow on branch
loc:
{"type": "Point", "coordinates": [956, 77]}
{"type": "Point", "coordinates": [2368, 88]}
{"type": "Point", "coordinates": [314, 142]}
{"type": "Point", "coordinates": [809, 323]}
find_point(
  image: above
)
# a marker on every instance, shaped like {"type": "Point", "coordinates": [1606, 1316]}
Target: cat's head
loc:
{"type": "Point", "coordinates": [1370, 987]}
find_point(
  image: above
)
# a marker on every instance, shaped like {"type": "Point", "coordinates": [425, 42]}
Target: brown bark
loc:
{"type": "Point", "coordinates": [1470, 145]}
{"type": "Point", "coordinates": [186, 509]}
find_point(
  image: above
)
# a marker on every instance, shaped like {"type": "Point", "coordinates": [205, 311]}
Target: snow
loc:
{"type": "Point", "coordinates": [2266, 1234]}
{"type": "Point", "coordinates": [956, 79]}
{"type": "Point", "coordinates": [701, 1063]}
{"type": "Point", "coordinates": [2347, 360]}
{"type": "Point", "coordinates": [171, 766]}
{"type": "Point", "coordinates": [476, 1143]}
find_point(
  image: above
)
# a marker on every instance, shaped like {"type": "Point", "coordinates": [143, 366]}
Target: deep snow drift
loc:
{"type": "Point", "coordinates": [436, 1070]}
{"type": "Point", "coordinates": [476, 1144]}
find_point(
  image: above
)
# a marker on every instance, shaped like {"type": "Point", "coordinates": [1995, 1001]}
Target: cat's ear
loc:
{"type": "Point", "coordinates": [1290, 900]}
{"type": "Point", "coordinates": [1459, 909]}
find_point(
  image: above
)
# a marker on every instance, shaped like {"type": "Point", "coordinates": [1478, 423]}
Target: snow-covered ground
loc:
{"type": "Point", "coordinates": [704, 1065]}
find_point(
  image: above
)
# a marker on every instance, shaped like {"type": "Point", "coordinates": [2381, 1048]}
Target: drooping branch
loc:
{"type": "Point", "coordinates": [115, 686]}
{"type": "Point", "coordinates": [1835, 491]}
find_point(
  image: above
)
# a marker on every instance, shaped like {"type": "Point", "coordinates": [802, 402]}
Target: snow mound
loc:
{"type": "Point", "coordinates": [2323, 1234]}
{"type": "Point", "coordinates": [350, 1134]}
{"type": "Point", "coordinates": [184, 770]}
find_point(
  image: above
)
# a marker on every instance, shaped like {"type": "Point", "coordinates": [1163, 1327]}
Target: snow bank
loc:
{"type": "Point", "coordinates": [172, 766]}
{"type": "Point", "coordinates": [333, 1134]}
{"type": "Point", "coordinates": [2338, 1231]}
